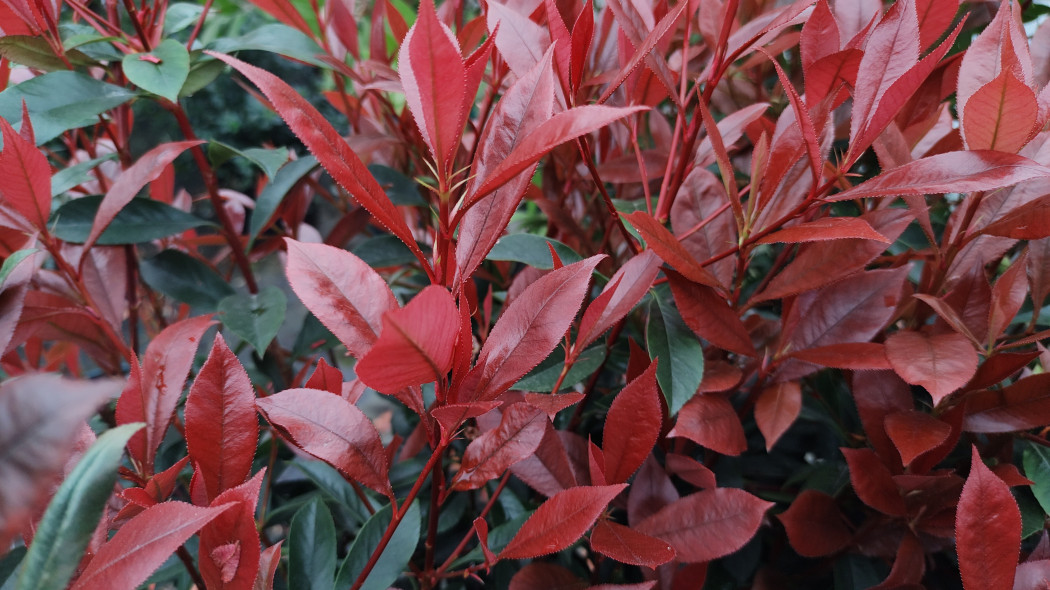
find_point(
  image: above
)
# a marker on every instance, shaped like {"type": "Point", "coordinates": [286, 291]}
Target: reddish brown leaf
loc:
{"type": "Point", "coordinates": [1039, 267]}
{"type": "Point", "coordinates": [662, 241]}
{"type": "Point", "coordinates": [221, 427]}
{"type": "Point", "coordinates": [776, 409]}
{"type": "Point", "coordinates": [709, 315]}
{"type": "Point", "coordinates": [878, 394]}
{"type": "Point", "coordinates": [873, 482]}
{"type": "Point", "coordinates": [548, 470]}
{"type": "Point", "coordinates": [416, 344]}
{"type": "Point", "coordinates": [284, 12]}
{"type": "Point", "coordinates": [820, 36]}
{"type": "Point", "coordinates": [332, 430]}
{"type": "Point", "coordinates": [935, 16]}
{"type": "Point", "coordinates": [1008, 294]}
{"type": "Point", "coordinates": [632, 426]}
{"type": "Point", "coordinates": [828, 228]}
{"type": "Point", "coordinates": [560, 521]}
{"type": "Point", "coordinates": [909, 565]}
{"type": "Point", "coordinates": [1030, 221]}
{"type": "Point", "coordinates": [450, 417]}
{"type": "Point", "coordinates": [520, 41]}
{"type": "Point", "coordinates": [26, 174]}
{"type": "Point", "coordinates": [268, 562]}
{"type": "Point", "coordinates": [915, 432]}
{"type": "Point", "coordinates": [708, 524]}
{"type": "Point", "coordinates": [987, 530]}
{"type": "Point", "coordinates": [627, 545]}
{"type": "Point", "coordinates": [710, 420]}
{"type": "Point", "coordinates": [941, 363]}
{"type": "Point", "coordinates": [552, 403]}
{"type": "Point", "coordinates": [143, 544]}
{"type": "Point", "coordinates": [814, 525]}
{"type": "Point", "coordinates": [1001, 115]}
{"type": "Point", "coordinates": [999, 366]}
{"type": "Point", "coordinates": [519, 433]}
{"type": "Point", "coordinates": [690, 470]}
{"type": "Point", "coordinates": [625, 289]}
{"type": "Point", "coordinates": [1002, 45]}
{"type": "Point", "coordinates": [342, 291]}
{"type": "Point", "coordinates": [529, 329]}
{"type": "Point", "coordinates": [229, 546]}
{"type": "Point", "coordinates": [856, 356]}
{"type": "Point", "coordinates": [545, 576]}
{"type": "Point", "coordinates": [1021, 406]}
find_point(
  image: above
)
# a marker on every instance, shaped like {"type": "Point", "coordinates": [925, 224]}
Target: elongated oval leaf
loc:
{"type": "Point", "coordinates": [560, 521]}
{"type": "Point", "coordinates": [632, 426]}
{"type": "Point", "coordinates": [26, 173]}
{"type": "Point", "coordinates": [311, 547]}
{"type": "Point", "coordinates": [987, 530]}
{"type": "Point", "coordinates": [625, 289]}
{"type": "Point", "coordinates": [709, 316]}
{"type": "Point", "coordinates": [60, 101]}
{"type": "Point", "coordinates": [519, 433]}
{"type": "Point", "coordinates": [627, 545]}
{"type": "Point", "coordinates": [1021, 406]}
{"type": "Point", "coordinates": [681, 359]}
{"type": "Point", "coordinates": [1000, 115]}
{"type": "Point", "coordinates": [140, 220]}
{"type": "Point", "coordinates": [915, 432]}
{"type": "Point", "coordinates": [709, 419]}
{"type": "Point", "coordinates": [395, 557]}
{"type": "Point", "coordinates": [670, 249]}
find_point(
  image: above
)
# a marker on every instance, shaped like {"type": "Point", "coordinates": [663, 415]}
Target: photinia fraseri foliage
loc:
{"type": "Point", "coordinates": [524, 294]}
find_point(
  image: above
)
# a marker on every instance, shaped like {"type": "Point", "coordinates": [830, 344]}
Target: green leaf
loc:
{"type": "Point", "coordinates": [499, 538]}
{"type": "Point", "coordinates": [532, 250]}
{"type": "Point", "coordinates": [681, 358]}
{"type": "Point", "coordinates": [10, 565]}
{"type": "Point", "coordinates": [181, 15]}
{"type": "Point", "coordinates": [255, 318]}
{"type": "Point", "coordinates": [61, 101]}
{"type": "Point", "coordinates": [13, 261]}
{"type": "Point", "coordinates": [395, 557]}
{"type": "Point", "coordinates": [544, 376]}
{"type": "Point", "coordinates": [161, 71]}
{"type": "Point", "coordinates": [185, 278]}
{"type": "Point", "coordinates": [77, 174]}
{"type": "Point", "coordinates": [275, 38]}
{"type": "Point", "coordinates": [141, 220]}
{"type": "Point", "coordinates": [273, 193]}
{"type": "Point", "coordinates": [1036, 461]}
{"type": "Point", "coordinates": [269, 161]}
{"type": "Point", "coordinates": [401, 189]}
{"type": "Point", "coordinates": [203, 70]}
{"type": "Point", "coordinates": [74, 512]}
{"type": "Point", "coordinates": [1033, 518]}
{"type": "Point", "coordinates": [333, 485]}
{"type": "Point", "coordinates": [35, 52]}
{"type": "Point", "coordinates": [311, 548]}
{"type": "Point", "coordinates": [383, 251]}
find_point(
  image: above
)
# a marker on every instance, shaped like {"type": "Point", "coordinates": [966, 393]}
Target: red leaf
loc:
{"type": "Point", "coordinates": [776, 410]}
{"type": "Point", "coordinates": [690, 470]}
{"type": "Point", "coordinates": [951, 172]}
{"type": "Point", "coordinates": [710, 420]}
{"type": "Point", "coordinates": [560, 521]}
{"type": "Point", "coordinates": [856, 356]}
{"type": "Point", "coordinates": [1008, 294]}
{"type": "Point", "coordinates": [820, 37]}
{"type": "Point", "coordinates": [153, 398]}
{"type": "Point", "coordinates": [326, 377]}
{"type": "Point", "coordinates": [987, 530]}
{"type": "Point", "coordinates": [643, 48]}
{"type": "Point", "coordinates": [827, 228]}
{"type": "Point", "coordinates": [416, 344]}
{"type": "Point", "coordinates": [229, 546]}
{"type": "Point", "coordinates": [814, 525]}
{"type": "Point", "coordinates": [451, 416]}
{"type": "Point", "coordinates": [552, 403]}
{"type": "Point", "coordinates": [26, 174]}
{"type": "Point", "coordinates": [284, 12]}
{"type": "Point", "coordinates": [632, 426]}
{"type": "Point", "coordinates": [1001, 115]}
{"type": "Point", "coordinates": [519, 433]}
{"type": "Point", "coordinates": [1021, 406]}
{"type": "Point", "coordinates": [331, 150]}
{"type": "Point", "coordinates": [935, 16]}
{"type": "Point", "coordinates": [708, 524]}
{"type": "Point", "coordinates": [709, 315]}
{"type": "Point", "coordinates": [221, 427]}
{"type": "Point", "coordinates": [520, 41]}
{"type": "Point", "coordinates": [434, 78]}
{"type": "Point", "coordinates": [878, 394]}
{"type": "Point", "coordinates": [529, 329]}
{"type": "Point", "coordinates": [942, 363]}
{"type": "Point", "coordinates": [999, 366]}
{"type": "Point", "coordinates": [143, 544]}
{"type": "Point", "coordinates": [582, 36]}
{"type": "Point", "coordinates": [268, 562]}
{"type": "Point", "coordinates": [130, 181]}
{"type": "Point", "coordinates": [1002, 45]}
{"type": "Point", "coordinates": [627, 545]}
{"type": "Point", "coordinates": [625, 289]}
{"type": "Point", "coordinates": [1030, 221]}
{"type": "Point", "coordinates": [342, 291]}
{"type": "Point", "coordinates": [332, 430]}
{"type": "Point", "coordinates": [548, 470]}
{"type": "Point", "coordinates": [666, 245]}
{"type": "Point", "coordinates": [915, 432]}
{"type": "Point", "coordinates": [545, 576]}
{"type": "Point", "coordinates": [873, 482]}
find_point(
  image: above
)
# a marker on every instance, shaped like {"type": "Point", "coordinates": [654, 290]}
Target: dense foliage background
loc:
{"type": "Point", "coordinates": [528, 294]}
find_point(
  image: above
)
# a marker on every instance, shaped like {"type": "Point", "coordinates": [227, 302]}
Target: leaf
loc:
{"type": "Point", "coordinates": [709, 419]}
{"type": "Point", "coordinates": [708, 524]}
{"type": "Point", "coordinates": [1036, 459]}
{"type": "Point", "coordinates": [229, 544]}
{"type": "Point", "coordinates": [416, 344]}
{"type": "Point", "coordinates": [532, 250]}
{"type": "Point", "coordinates": [1000, 116]}
{"type": "Point", "coordinates": [856, 356]}
{"type": "Point", "coordinates": [776, 409]}
{"type": "Point", "coordinates": [942, 363]}
{"type": "Point", "coordinates": [256, 318]}
{"type": "Point", "coordinates": [624, 290]}
{"type": "Point", "coordinates": [827, 228]}
{"type": "Point", "coordinates": [518, 435]}
{"type": "Point", "coordinates": [950, 172]}
{"type": "Point", "coordinates": [269, 559]}
{"type": "Point", "coordinates": [60, 101]}
{"type": "Point", "coordinates": [165, 366]}
{"type": "Point", "coordinates": [332, 430]}
{"type": "Point", "coordinates": [401, 189]}
{"type": "Point", "coordinates": [915, 432]}
{"type": "Point", "coordinates": [627, 545]}
{"type": "Point", "coordinates": [632, 426]}
{"type": "Point", "coordinates": [1002, 45]}
{"type": "Point", "coordinates": [37, 53]}
{"type": "Point", "coordinates": [73, 514]}
{"type": "Point", "coordinates": [529, 329]}
{"type": "Point", "coordinates": [221, 429]}
{"type": "Point", "coordinates": [520, 41]}
{"type": "Point", "coordinates": [987, 530]}
{"type": "Point", "coordinates": [395, 557]}
{"type": "Point", "coordinates": [271, 195]}
{"type": "Point", "coordinates": [185, 278]}
{"type": "Point", "coordinates": [435, 79]}
{"type": "Point", "coordinates": [1021, 406]}
{"type": "Point", "coordinates": [342, 291]}
{"type": "Point", "coordinates": [161, 71]}
{"type": "Point", "coordinates": [311, 547]}
{"type": "Point", "coordinates": [873, 482]}
{"type": "Point", "coordinates": [814, 525]}
{"type": "Point", "coordinates": [449, 417]}
{"type": "Point", "coordinates": [27, 174]}
{"type": "Point", "coordinates": [709, 316]}
{"type": "Point", "coordinates": [270, 161]}
{"type": "Point", "coordinates": [276, 38]}
{"type": "Point", "coordinates": [143, 544]}
{"type": "Point", "coordinates": [140, 220]}
{"type": "Point", "coordinates": [667, 247]}
{"type": "Point", "coordinates": [681, 359]}
{"type": "Point", "coordinates": [331, 150]}
{"type": "Point", "coordinates": [560, 521]}
{"type": "Point", "coordinates": [73, 176]}
{"type": "Point", "coordinates": [1030, 221]}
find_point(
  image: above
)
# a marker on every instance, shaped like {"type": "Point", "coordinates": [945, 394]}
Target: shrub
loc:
{"type": "Point", "coordinates": [554, 295]}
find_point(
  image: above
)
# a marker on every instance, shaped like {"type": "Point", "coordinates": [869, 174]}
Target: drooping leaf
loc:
{"type": "Point", "coordinates": [74, 512]}
{"type": "Point", "coordinates": [708, 524]}
{"type": "Point", "coordinates": [333, 430]}
{"type": "Point", "coordinates": [915, 432]}
{"type": "Point", "coordinates": [60, 101]}
{"type": "Point", "coordinates": [941, 363]}
{"type": "Point", "coordinates": [27, 174]}
{"type": "Point", "coordinates": [1021, 406]}
{"type": "Point", "coordinates": [395, 557]}
{"type": "Point", "coordinates": [185, 278]}
{"type": "Point", "coordinates": [519, 433]}
{"type": "Point", "coordinates": [632, 426]}
{"type": "Point", "coordinates": [255, 317]}
{"type": "Point", "coordinates": [140, 220]}
{"type": "Point", "coordinates": [312, 547]}
{"type": "Point", "coordinates": [814, 525]}
{"type": "Point", "coordinates": [709, 419]}
{"type": "Point", "coordinates": [560, 521]}
{"type": "Point", "coordinates": [162, 71]}
{"type": "Point", "coordinates": [143, 544]}
{"type": "Point", "coordinates": [681, 358]}
{"type": "Point", "coordinates": [415, 345]}
{"type": "Point", "coordinates": [221, 427]}
{"type": "Point", "coordinates": [342, 291]}
{"type": "Point", "coordinates": [987, 530]}
{"type": "Point", "coordinates": [776, 409]}
{"type": "Point", "coordinates": [627, 545]}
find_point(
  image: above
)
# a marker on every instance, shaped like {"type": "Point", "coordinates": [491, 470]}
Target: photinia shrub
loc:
{"type": "Point", "coordinates": [535, 294]}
